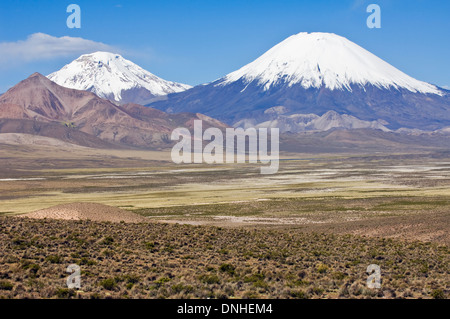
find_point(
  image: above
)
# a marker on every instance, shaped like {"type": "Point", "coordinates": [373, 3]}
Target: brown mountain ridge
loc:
{"type": "Point", "coordinates": [83, 118]}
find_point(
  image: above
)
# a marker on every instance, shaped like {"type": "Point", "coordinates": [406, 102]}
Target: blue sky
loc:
{"type": "Point", "coordinates": [199, 41]}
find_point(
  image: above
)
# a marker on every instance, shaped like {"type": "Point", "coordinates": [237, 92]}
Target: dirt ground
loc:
{"type": "Point", "coordinates": [308, 231]}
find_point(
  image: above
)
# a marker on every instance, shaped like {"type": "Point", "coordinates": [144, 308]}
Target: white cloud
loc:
{"type": "Point", "coordinates": [357, 4]}
{"type": "Point", "coordinates": [447, 87]}
{"type": "Point", "coordinates": [41, 46]}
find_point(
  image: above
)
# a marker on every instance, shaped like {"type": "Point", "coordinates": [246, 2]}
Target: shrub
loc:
{"type": "Point", "coordinates": [33, 268]}
{"type": "Point", "coordinates": [108, 240]}
{"type": "Point", "coordinates": [107, 253]}
{"type": "Point", "coordinates": [438, 294]}
{"type": "Point", "coordinates": [5, 285]}
{"type": "Point", "coordinates": [424, 268]}
{"type": "Point", "coordinates": [210, 279]}
{"type": "Point", "coordinates": [161, 281]}
{"type": "Point", "coordinates": [316, 290]}
{"type": "Point", "coordinates": [108, 284]}
{"type": "Point", "coordinates": [132, 279]}
{"type": "Point", "coordinates": [229, 269]}
{"type": "Point", "coordinates": [87, 261]}
{"type": "Point", "coordinates": [321, 268]}
{"type": "Point", "coordinates": [224, 251]}
{"type": "Point", "coordinates": [65, 293]}
{"type": "Point", "coordinates": [151, 246]}
{"type": "Point", "coordinates": [54, 259]}
{"type": "Point", "coordinates": [181, 287]}
{"type": "Point", "coordinates": [298, 294]}
{"type": "Point", "coordinates": [254, 277]}
{"type": "Point", "coordinates": [251, 295]}
{"type": "Point", "coordinates": [339, 275]}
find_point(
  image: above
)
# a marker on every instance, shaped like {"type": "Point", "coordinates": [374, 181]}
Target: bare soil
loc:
{"type": "Point", "coordinates": [87, 211]}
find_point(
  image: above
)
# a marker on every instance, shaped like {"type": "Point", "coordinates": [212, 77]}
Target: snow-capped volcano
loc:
{"type": "Point", "coordinates": [324, 60]}
{"type": "Point", "coordinates": [315, 73]}
{"type": "Point", "coordinates": [112, 77]}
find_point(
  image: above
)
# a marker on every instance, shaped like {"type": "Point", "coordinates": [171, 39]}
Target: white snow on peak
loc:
{"type": "Point", "coordinates": [324, 59]}
{"type": "Point", "coordinates": [107, 75]}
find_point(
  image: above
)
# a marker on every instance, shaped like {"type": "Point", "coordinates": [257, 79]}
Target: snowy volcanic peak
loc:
{"type": "Point", "coordinates": [108, 75]}
{"type": "Point", "coordinates": [324, 59]}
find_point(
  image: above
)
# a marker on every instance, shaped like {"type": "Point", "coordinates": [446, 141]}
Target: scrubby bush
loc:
{"type": "Point", "coordinates": [210, 279]}
{"type": "Point", "coordinates": [65, 293]}
{"type": "Point", "coordinates": [109, 283]}
{"type": "Point", "coordinates": [227, 268]}
{"type": "Point", "coordinates": [5, 285]}
{"type": "Point", "coordinates": [438, 294]}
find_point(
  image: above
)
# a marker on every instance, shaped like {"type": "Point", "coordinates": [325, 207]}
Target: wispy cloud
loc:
{"type": "Point", "coordinates": [41, 46]}
{"type": "Point", "coordinates": [357, 4]}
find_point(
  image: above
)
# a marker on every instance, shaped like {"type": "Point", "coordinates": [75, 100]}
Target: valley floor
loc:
{"type": "Point", "coordinates": [309, 231]}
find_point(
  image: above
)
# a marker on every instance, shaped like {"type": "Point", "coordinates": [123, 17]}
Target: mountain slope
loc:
{"type": "Point", "coordinates": [324, 60]}
{"type": "Point", "coordinates": [363, 141]}
{"type": "Point", "coordinates": [112, 77]}
{"type": "Point", "coordinates": [313, 73]}
{"type": "Point", "coordinates": [49, 105]}
{"type": "Point", "coordinates": [52, 130]}
{"type": "Point", "coordinates": [310, 122]}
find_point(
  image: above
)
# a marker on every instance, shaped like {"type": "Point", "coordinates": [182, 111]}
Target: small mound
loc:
{"type": "Point", "coordinates": [87, 211]}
